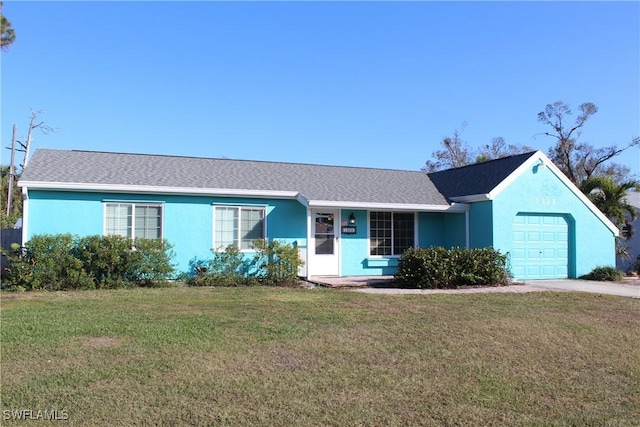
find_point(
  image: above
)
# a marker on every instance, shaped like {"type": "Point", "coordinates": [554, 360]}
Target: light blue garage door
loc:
{"type": "Point", "coordinates": [540, 247]}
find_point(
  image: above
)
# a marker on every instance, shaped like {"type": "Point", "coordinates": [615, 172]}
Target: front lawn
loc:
{"type": "Point", "coordinates": [273, 356]}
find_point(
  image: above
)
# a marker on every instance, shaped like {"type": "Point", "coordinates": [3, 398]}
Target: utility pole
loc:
{"type": "Point", "coordinates": [12, 170]}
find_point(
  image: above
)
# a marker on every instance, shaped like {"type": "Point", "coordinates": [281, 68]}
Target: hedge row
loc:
{"type": "Point", "coordinates": [437, 267]}
{"type": "Point", "coordinates": [273, 264]}
{"type": "Point", "coordinates": [63, 261]}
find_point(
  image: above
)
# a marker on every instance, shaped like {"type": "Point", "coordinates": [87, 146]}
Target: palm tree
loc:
{"type": "Point", "coordinates": [610, 198]}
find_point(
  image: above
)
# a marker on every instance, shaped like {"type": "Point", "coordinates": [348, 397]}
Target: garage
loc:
{"type": "Point", "coordinates": [540, 246]}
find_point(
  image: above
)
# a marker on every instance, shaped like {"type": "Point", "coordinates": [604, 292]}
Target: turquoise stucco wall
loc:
{"type": "Point", "coordinates": [538, 190]}
{"type": "Point", "coordinates": [481, 224]}
{"type": "Point", "coordinates": [434, 229]}
{"type": "Point", "coordinates": [441, 229]}
{"type": "Point", "coordinates": [188, 220]}
{"type": "Point", "coordinates": [188, 223]}
{"type": "Point", "coordinates": [455, 230]}
{"type": "Point", "coordinates": [355, 248]}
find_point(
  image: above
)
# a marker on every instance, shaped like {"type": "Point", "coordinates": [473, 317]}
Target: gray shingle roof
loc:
{"type": "Point", "coordinates": [479, 178]}
{"type": "Point", "coordinates": [633, 198]}
{"type": "Point", "coordinates": [315, 182]}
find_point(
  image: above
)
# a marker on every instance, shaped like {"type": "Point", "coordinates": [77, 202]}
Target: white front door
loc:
{"type": "Point", "coordinates": [324, 248]}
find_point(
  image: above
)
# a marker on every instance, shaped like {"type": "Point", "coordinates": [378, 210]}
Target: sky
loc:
{"type": "Point", "coordinates": [371, 84]}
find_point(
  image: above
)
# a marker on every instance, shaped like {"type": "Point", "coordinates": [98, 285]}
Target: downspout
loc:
{"type": "Point", "coordinates": [307, 257]}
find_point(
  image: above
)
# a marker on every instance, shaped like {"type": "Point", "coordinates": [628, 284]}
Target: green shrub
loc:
{"type": "Point", "coordinates": [107, 259]}
{"type": "Point", "coordinates": [227, 268]}
{"type": "Point", "coordinates": [605, 274]}
{"type": "Point", "coordinates": [274, 263]}
{"type": "Point", "coordinates": [436, 267]}
{"type": "Point", "coordinates": [151, 262]}
{"type": "Point", "coordinates": [56, 262]}
{"type": "Point", "coordinates": [47, 262]}
{"type": "Point", "coordinates": [423, 268]}
{"type": "Point", "coordinates": [478, 267]}
{"type": "Point", "coordinates": [277, 263]}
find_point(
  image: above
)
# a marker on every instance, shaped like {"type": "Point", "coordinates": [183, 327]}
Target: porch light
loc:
{"type": "Point", "coordinates": [352, 220]}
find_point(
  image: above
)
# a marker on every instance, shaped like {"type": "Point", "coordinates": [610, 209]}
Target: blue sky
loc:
{"type": "Point", "coordinates": [374, 84]}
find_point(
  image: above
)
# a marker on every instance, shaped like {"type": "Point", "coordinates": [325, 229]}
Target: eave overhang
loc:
{"type": "Point", "coordinates": [233, 192]}
{"type": "Point", "coordinates": [150, 189]}
{"type": "Point", "coordinates": [345, 204]}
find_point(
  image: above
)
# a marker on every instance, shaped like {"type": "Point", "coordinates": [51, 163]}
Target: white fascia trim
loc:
{"type": "Point", "coordinates": [150, 189]}
{"type": "Point", "coordinates": [538, 157]}
{"type": "Point", "coordinates": [303, 200]}
{"type": "Point", "coordinates": [456, 207]}
{"type": "Point", "coordinates": [472, 198]}
{"type": "Point", "coordinates": [25, 214]}
{"type": "Point", "coordinates": [308, 251]}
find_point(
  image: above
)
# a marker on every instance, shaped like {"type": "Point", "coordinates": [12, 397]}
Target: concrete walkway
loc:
{"type": "Point", "coordinates": [627, 289]}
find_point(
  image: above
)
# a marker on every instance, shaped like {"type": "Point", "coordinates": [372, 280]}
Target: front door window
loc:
{"type": "Point", "coordinates": [324, 233]}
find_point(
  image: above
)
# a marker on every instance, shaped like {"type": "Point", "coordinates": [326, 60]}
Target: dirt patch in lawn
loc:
{"type": "Point", "coordinates": [102, 342]}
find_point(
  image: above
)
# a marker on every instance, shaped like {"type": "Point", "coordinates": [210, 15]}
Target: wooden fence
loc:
{"type": "Point", "coordinates": [7, 237]}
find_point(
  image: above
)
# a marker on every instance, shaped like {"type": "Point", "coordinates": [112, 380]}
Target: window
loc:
{"type": "Point", "coordinates": [135, 220]}
{"type": "Point", "coordinates": [324, 233]}
{"type": "Point", "coordinates": [237, 226]}
{"type": "Point", "coordinates": [391, 233]}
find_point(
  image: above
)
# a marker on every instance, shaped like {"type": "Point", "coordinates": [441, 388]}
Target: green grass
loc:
{"type": "Point", "coordinates": [269, 356]}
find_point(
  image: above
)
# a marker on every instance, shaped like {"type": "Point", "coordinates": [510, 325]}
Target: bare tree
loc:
{"type": "Point", "coordinates": [456, 153]}
{"type": "Point", "coordinates": [46, 129]}
{"type": "Point", "coordinates": [579, 161]}
{"type": "Point", "coordinates": [10, 170]}
{"type": "Point", "coordinates": [499, 149]}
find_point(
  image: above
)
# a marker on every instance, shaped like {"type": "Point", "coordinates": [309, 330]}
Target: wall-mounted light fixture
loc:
{"type": "Point", "coordinates": [541, 164]}
{"type": "Point", "coordinates": [349, 226]}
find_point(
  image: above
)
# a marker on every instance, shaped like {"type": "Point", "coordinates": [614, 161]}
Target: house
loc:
{"type": "Point", "coordinates": [633, 244]}
{"type": "Point", "coordinates": [345, 221]}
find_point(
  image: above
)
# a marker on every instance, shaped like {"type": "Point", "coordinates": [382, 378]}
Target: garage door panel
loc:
{"type": "Point", "coordinates": [518, 271]}
{"type": "Point", "coordinates": [548, 270]}
{"type": "Point", "coordinates": [540, 246]}
{"type": "Point", "coordinates": [533, 271]}
{"type": "Point", "coordinates": [533, 236]}
{"type": "Point", "coordinates": [518, 254]}
{"type": "Point", "coordinates": [519, 236]}
{"type": "Point", "coordinates": [532, 220]}
{"type": "Point", "coordinates": [533, 254]}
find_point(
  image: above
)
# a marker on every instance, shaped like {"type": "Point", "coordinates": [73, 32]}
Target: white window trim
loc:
{"type": "Point", "coordinates": [239, 207]}
{"type": "Point", "coordinates": [415, 233]}
{"type": "Point", "coordinates": [133, 210]}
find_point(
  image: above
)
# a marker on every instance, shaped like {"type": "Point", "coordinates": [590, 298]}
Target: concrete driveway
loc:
{"type": "Point", "coordinates": [628, 289]}
{"type": "Point", "coordinates": [608, 288]}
